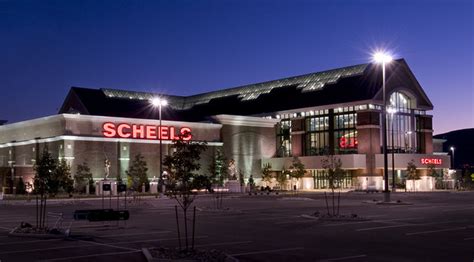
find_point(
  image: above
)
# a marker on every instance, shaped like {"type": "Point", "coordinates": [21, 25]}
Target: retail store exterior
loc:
{"type": "Point", "coordinates": [334, 112]}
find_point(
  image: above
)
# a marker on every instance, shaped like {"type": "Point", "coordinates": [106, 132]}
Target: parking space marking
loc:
{"type": "Point", "coordinates": [457, 209]}
{"type": "Point", "coordinates": [6, 228]}
{"type": "Point", "coordinates": [89, 243]}
{"type": "Point", "coordinates": [93, 255]}
{"type": "Point", "coordinates": [266, 251]}
{"type": "Point", "coordinates": [136, 234]}
{"type": "Point", "coordinates": [408, 225]}
{"type": "Point", "coordinates": [384, 227]}
{"type": "Point", "coordinates": [469, 238]}
{"type": "Point", "coordinates": [372, 221]}
{"type": "Point", "coordinates": [436, 231]}
{"type": "Point", "coordinates": [224, 243]}
{"type": "Point", "coordinates": [154, 240]}
{"type": "Point", "coordinates": [29, 242]}
{"type": "Point", "coordinates": [343, 258]}
{"type": "Point", "coordinates": [108, 245]}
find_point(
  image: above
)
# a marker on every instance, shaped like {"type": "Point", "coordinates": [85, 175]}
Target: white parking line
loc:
{"type": "Point", "coordinates": [436, 231]}
{"type": "Point", "coordinates": [29, 242]}
{"type": "Point", "coordinates": [6, 228]}
{"type": "Point", "coordinates": [372, 221]}
{"type": "Point", "coordinates": [89, 243]}
{"type": "Point", "coordinates": [266, 251]}
{"type": "Point", "coordinates": [94, 255]}
{"type": "Point", "coordinates": [343, 258]}
{"type": "Point", "coordinates": [457, 209]}
{"type": "Point", "coordinates": [384, 227]}
{"type": "Point", "coordinates": [108, 245]}
{"type": "Point", "coordinates": [224, 243]}
{"type": "Point", "coordinates": [135, 234]}
{"type": "Point", "coordinates": [409, 225]}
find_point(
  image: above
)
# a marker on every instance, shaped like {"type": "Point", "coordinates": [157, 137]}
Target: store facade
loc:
{"type": "Point", "coordinates": [335, 112]}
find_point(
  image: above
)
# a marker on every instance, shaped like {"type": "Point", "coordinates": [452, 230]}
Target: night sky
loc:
{"type": "Point", "coordinates": [189, 47]}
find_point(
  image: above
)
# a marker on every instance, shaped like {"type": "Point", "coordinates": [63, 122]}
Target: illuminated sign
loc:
{"type": "Point", "coordinates": [125, 130]}
{"type": "Point", "coordinates": [350, 142]}
{"type": "Point", "coordinates": [432, 161]}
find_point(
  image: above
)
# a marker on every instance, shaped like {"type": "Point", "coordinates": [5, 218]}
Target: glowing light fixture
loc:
{"type": "Point", "coordinates": [382, 57]}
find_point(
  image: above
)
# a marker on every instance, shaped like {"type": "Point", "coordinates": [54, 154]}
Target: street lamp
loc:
{"type": "Point", "coordinates": [383, 58]}
{"type": "Point", "coordinates": [452, 154]}
{"type": "Point", "coordinates": [392, 111]}
{"type": "Point", "coordinates": [159, 102]}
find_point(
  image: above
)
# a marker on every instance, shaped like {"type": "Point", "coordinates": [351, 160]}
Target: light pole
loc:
{"type": "Point", "coordinates": [452, 154]}
{"type": "Point", "coordinates": [159, 102]}
{"type": "Point", "coordinates": [392, 112]}
{"type": "Point", "coordinates": [384, 59]}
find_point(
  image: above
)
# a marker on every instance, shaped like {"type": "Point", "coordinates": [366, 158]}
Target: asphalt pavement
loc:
{"type": "Point", "coordinates": [434, 226]}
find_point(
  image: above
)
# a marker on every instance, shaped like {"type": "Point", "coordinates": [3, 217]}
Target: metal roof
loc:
{"type": "Point", "coordinates": [306, 83]}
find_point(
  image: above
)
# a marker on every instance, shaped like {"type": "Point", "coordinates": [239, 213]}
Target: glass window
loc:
{"type": "Point", "coordinates": [284, 138]}
{"type": "Point", "coordinates": [401, 134]}
{"type": "Point", "coordinates": [345, 133]}
{"type": "Point", "coordinates": [317, 136]}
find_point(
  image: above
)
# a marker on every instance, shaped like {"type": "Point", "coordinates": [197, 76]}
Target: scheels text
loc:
{"type": "Point", "coordinates": [125, 130]}
{"type": "Point", "coordinates": [432, 161]}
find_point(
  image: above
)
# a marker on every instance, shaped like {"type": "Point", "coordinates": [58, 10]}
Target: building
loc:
{"type": "Point", "coordinates": [334, 112]}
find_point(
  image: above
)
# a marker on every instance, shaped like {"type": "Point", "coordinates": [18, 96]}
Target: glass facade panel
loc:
{"type": "Point", "coordinates": [284, 138]}
{"type": "Point", "coordinates": [317, 137]}
{"type": "Point", "coordinates": [345, 133]}
{"type": "Point", "coordinates": [401, 134]}
{"type": "Point", "coordinates": [321, 181]}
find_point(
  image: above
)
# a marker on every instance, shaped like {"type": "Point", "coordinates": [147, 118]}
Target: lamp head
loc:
{"type": "Point", "coordinates": [381, 57]}
{"type": "Point", "coordinates": [158, 102]}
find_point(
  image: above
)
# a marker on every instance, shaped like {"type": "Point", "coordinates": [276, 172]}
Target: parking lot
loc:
{"type": "Point", "coordinates": [438, 226]}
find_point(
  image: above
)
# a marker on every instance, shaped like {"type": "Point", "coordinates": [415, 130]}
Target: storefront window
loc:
{"type": "Point", "coordinates": [317, 137]}
{"type": "Point", "coordinates": [284, 138]}
{"type": "Point", "coordinates": [401, 135]}
{"type": "Point", "coordinates": [345, 133]}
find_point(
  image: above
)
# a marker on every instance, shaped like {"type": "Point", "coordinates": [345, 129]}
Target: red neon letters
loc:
{"type": "Point", "coordinates": [125, 130]}
{"type": "Point", "coordinates": [347, 142]}
{"type": "Point", "coordinates": [433, 161]}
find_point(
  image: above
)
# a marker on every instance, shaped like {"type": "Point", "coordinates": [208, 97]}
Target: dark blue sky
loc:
{"type": "Point", "coordinates": [187, 47]}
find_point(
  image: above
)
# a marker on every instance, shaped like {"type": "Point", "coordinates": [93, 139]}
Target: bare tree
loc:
{"type": "Point", "coordinates": [182, 165]}
{"type": "Point", "coordinates": [335, 175]}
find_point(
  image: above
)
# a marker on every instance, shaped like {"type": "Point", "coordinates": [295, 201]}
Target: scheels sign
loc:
{"type": "Point", "coordinates": [126, 130]}
{"type": "Point", "coordinates": [432, 161]}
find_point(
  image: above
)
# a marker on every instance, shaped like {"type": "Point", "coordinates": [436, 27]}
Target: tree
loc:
{"type": "Point", "coordinates": [282, 177]}
{"type": "Point", "coordinates": [82, 177]}
{"type": "Point", "coordinates": [137, 173]}
{"type": "Point", "coordinates": [182, 166]}
{"type": "Point", "coordinates": [219, 169]}
{"type": "Point", "coordinates": [241, 178]}
{"type": "Point", "coordinates": [251, 182]}
{"type": "Point", "coordinates": [411, 172]}
{"type": "Point", "coordinates": [63, 176]}
{"type": "Point", "coordinates": [45, 168]}
{"type": "Point", "coordinates": [20, 187]}
{"type": "Point", "coordinates": [297, 169]}
{"type": "Point", "coordinates": [335, 175]}
{"type": "Point", "coordinates": [267, 173]}
{"type": "Point", "coordinates": [438, 176]}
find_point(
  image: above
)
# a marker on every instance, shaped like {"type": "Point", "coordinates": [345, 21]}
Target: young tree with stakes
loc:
{"type": "Point", "coordinates": [297, 169]}
{"type": "Point", "coordinates": [219, 168]}
{"type": "Point", "coordinates": [438, 176]}
{"type": "Point", "coordinates": [82, 178]}
{"type": "Point", "coordinates": [412, 174]}
{"type": "Point", "coordinates": [182, 166]}
{"type": "Point", "coordinates": [267, 173]}
{"type": "Point", "coordinates": [137, 173]}
{"type": "Point", "coordinates": [45, 168]}
{"type": "Point", "coordinates": [335, 175]}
